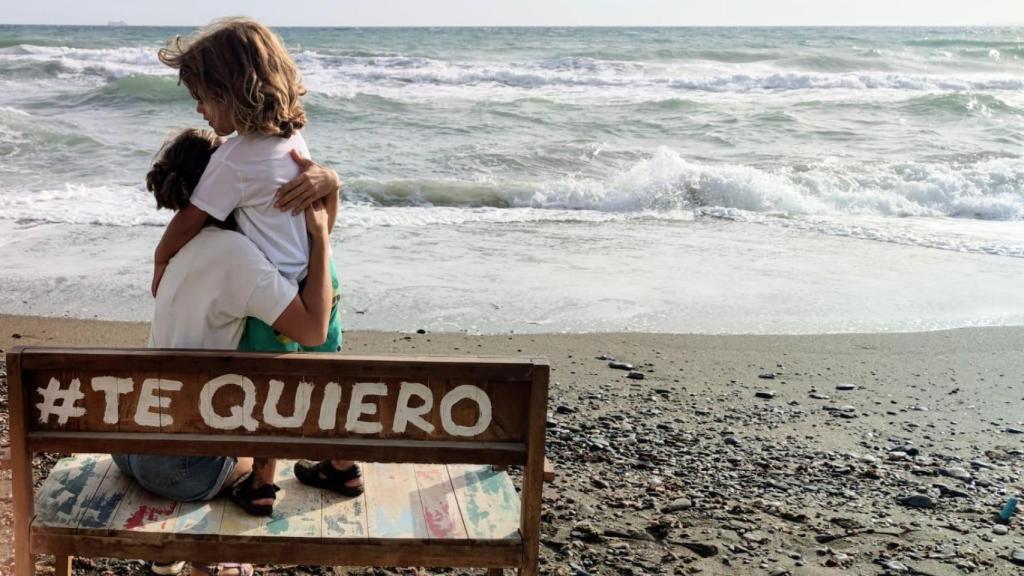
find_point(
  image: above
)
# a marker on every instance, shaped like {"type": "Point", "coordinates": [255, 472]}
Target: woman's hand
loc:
{"type": "Point", "coordinates": [314, 183]}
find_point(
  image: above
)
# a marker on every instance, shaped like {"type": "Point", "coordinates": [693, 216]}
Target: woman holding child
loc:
{"type": "Point", "coordinates": [271, 288]}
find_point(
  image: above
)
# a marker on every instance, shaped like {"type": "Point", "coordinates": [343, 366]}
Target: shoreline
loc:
{"type": "Point", "coordinates": [70, 331]}
{"type": "Point", "coordinates": [806, 482]}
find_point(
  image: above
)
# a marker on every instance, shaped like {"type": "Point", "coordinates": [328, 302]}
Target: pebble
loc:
{"type": "Point", "coordinates": [677, 505]}
{"type": "Point", "coordinates": [767, 376]}
{"type": "Point", "coordinates": [1000, 530]}
{"type": "Point", "coordinates": [635, 375]}
{"type": "Point", "coordinates": [756, 536]}
{"type": "Point", "coordinates": [896, 566]}
{"type": "Point", "coordinates": [907, 449]}
{"type": "Point", "coordinates": [818, 396]}
{"type": "Point", "coordinates": [765, 394]}
{"type": "Point", "coordinates": [1017, 556]}
{"type": "Point", "coordinates": [917, 501]}
{"type": "Point", "coordinates": [620, 365]}
{"type": "Point", "coordinates": [1015, 430]}
{"type": "Point", "coordinates": [421, 331]}
{"type": "Point", "coordinates": [846, 387]}
{"type": "Point", "coordinates": [958, 473]}
{"type": "Point", "coordinates": [701, 549]}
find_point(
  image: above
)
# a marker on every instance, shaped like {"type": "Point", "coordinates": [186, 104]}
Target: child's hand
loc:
{"type": "Point", "coordinates": [316, 221]}
{"type": "Point", "coordinates": [315, 182]}
{"type": "Point", "coordinates": [158, 273]}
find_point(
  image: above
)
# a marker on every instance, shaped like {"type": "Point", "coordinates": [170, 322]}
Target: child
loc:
{"type": "Point", "coordinates": [244, 81]}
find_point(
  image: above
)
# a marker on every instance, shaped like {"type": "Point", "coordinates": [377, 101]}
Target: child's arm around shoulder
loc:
{"type": "Point", "coordinates": [217, 194]}
{"type": "Point", "coordinates": [185, 225]}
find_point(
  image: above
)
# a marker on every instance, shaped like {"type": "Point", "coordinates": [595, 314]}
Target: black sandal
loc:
{"type": "Point", "coordinates": [323, 475]}
{"type": "Point", "coordinates": [242, 493]}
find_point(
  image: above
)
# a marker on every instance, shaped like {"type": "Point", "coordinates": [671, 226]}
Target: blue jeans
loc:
{"type": "Point", "coordinates": [179, 478]}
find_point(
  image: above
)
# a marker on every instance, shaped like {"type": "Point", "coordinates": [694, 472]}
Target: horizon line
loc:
{"type": "Point", "coordinates": [121, 24]}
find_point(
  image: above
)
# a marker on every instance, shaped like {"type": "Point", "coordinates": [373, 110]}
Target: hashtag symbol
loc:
{"type": "Point", "coordinates": [60, 402]}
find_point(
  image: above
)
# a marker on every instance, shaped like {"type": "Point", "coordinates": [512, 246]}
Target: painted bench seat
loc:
{"type": "Point", "coordinates": [429, 507]}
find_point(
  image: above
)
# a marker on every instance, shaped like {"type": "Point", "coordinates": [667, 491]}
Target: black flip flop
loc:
{"type": "Point", "coordinates": [242, 493]}
{"type": "Point", "coordinates": [323, 475]}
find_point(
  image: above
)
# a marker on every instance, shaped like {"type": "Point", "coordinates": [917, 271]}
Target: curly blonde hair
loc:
{"type": "Point", "coordinates": [242, 66]}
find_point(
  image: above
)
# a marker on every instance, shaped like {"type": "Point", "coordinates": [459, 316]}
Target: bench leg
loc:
{"type": "Point", "coordinates": [63, 566]}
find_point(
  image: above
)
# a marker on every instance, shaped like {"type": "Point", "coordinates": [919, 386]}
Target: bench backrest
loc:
{"type": "Point", "coordinates": [373, 408]}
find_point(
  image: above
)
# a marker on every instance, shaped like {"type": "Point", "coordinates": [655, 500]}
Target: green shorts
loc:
{"type": "Point", "coordinates": [259, 337]}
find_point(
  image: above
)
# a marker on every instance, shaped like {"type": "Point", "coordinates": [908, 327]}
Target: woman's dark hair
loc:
{"type": "Point", "coordinates": [178, 166]}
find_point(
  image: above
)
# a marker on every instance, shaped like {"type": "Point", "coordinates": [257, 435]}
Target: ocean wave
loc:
{"type": "Point", "coordinates": [663, 183]}
{"type": "Point", "coordinates": [667, 182]}
{"type": "Point", "coordinates": [133, 90]}
{"type": "Point", "coordinates": [966, 42]}
{"type": "Point", "coordinates": [106, 63]}
{"type": "Point", "coordinates": [350, 73]}
{"type": "Point", "coordinates": [358, 74]}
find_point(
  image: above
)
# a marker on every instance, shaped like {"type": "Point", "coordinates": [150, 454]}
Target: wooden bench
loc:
{"type": "Point", "coordinates": [429, 430]}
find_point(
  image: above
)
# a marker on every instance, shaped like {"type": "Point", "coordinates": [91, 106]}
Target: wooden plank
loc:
{"type": "Point", "coordinates": [487, 500]}
{"type": "Point", "coordinates": [237, 524]}
{"type": "Point", "coordinates": [440, 507]}
{"type": "Point", "coordinates": [457, 553]}
{"type": "Point", "coordinates": [533, 472]}
{"type": "Point", "coordinates": [344, 517]}
{"type": "Point", "coordinates": [393, 505]}
{"type": "Point", "coordinates": [200, 518]}
{"type": "Point", "coordinates": [143, 512]}
{"type": "Point", "coordinates": [362, 450]}
{"type": "Point", "coordinates": [297, 512]}
{"type": "Point", "coordinates": [67, 491]}
{"type": "Point", "coordinates": [412, 368]}
{"type": "Point", "coordinates": [62, 565]}
{"type": "Point", "coordinates": [474, 411]}
{"type": "Point", "coordinates": [549, 470]}
{"type": "Point", "coordinates": [21, 465]}
{"type": "Point", "coordinates": [99, 514]}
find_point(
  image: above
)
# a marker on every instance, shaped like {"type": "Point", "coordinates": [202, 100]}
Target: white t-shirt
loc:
{"type": "Point", "coordinates": [210, 286]}
{"type": "Point", "coordinates": [243, 174]}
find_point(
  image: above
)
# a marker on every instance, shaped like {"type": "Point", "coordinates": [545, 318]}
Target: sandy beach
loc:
{"type": "Point", "coordinates": [742, 454]}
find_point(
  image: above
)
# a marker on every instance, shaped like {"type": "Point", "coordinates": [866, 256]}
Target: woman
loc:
{"type": "Point", "coordinates": [209, 288]}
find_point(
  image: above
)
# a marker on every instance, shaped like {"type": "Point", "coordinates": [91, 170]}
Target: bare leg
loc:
{"type": "Point", "coordinates": [242, 467]}
{"type": "Point", "coordinates": [263, 470]}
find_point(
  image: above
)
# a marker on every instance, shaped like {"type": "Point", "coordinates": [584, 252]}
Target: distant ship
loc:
{"type": "Point", "coordinates": [117, 23]}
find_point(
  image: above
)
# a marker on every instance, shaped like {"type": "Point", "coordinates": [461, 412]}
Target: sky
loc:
{"type": "Point", "coordinates": [524, 12]}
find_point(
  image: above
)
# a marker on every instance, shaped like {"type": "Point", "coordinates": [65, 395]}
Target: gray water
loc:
{"type": "Point", "coordinates": [797, 137]}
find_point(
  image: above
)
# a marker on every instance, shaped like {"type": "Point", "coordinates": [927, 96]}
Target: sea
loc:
{"type": "Point", "coordinates": [496, 180]}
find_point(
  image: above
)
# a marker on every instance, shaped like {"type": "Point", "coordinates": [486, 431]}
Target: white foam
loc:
{"type": "Point", "coordinates": [81, 204]}
{"type": "Point", "coordinates": [108, 63]}
{"type": "Point", "coordinates": [565, 78]}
